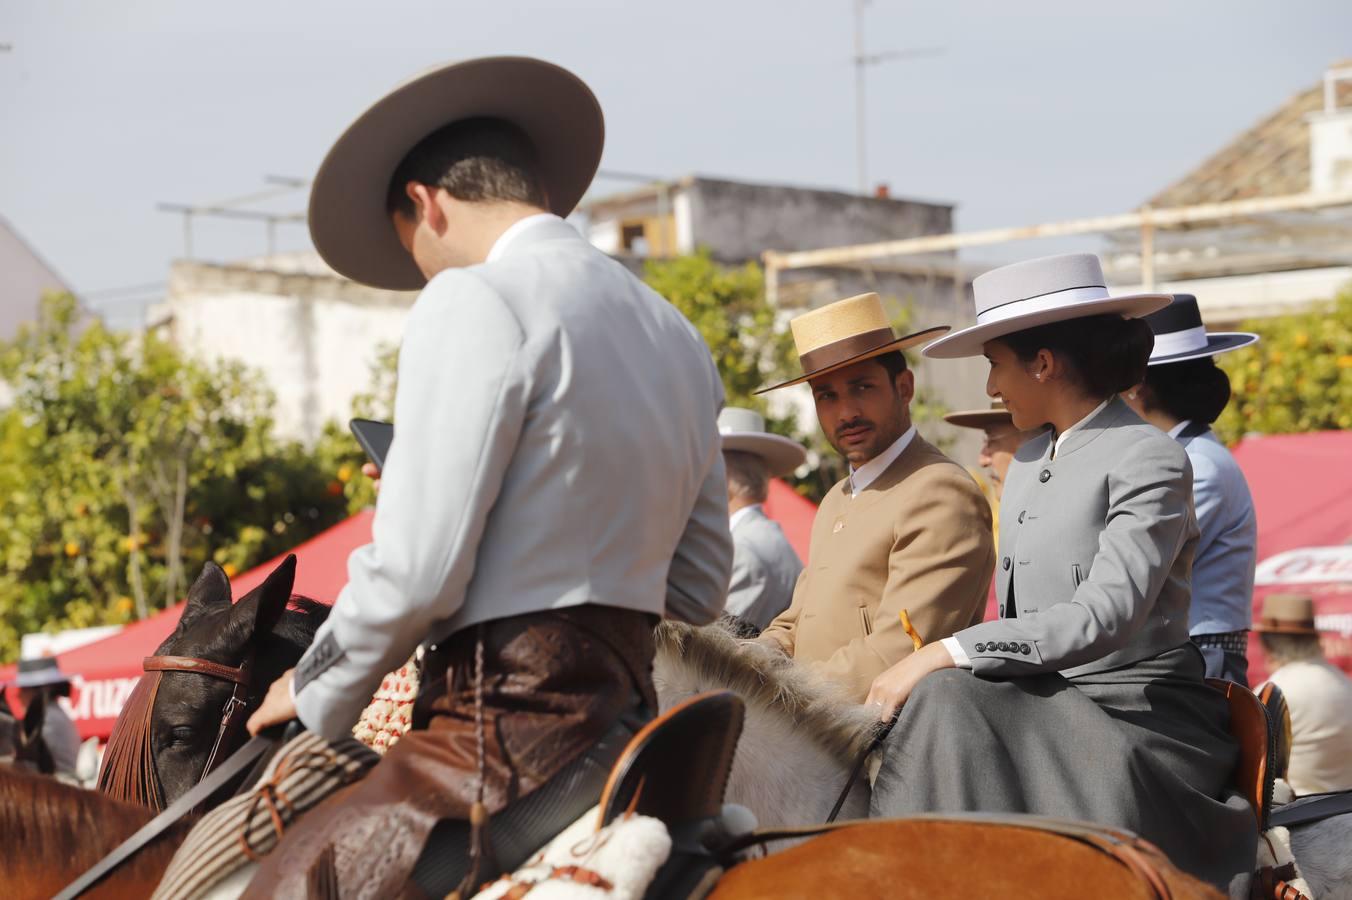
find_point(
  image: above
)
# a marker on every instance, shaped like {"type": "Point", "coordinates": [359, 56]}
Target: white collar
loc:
{"type": "Point", "coordinates": [743, 513]}
{"type": "Point", "coordinates": [1056, 448]}
{"type": "Point", "coordinates": [868, 473]}
{"type": "Point", "coordinates": [1178, 429]}
{"type": "Point", "coordinates": [514, 231]}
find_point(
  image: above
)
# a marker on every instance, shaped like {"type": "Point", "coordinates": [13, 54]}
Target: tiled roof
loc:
{"type": "Point", "coordinates": [1271, 159]}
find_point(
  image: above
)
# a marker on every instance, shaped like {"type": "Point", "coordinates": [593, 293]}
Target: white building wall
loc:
{"type": "Point", "coordinates": [314, 339]}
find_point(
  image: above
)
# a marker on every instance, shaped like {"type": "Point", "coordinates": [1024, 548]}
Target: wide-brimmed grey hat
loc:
{"type": "Point", "coordinates": [744, 430]}
{"type": "Point", "coordinates": [553, 108]}
{"type": "Point", "coordinates": [1181, 336]}
{"type": "Point", "coordinates": [1037, 292]}
{"type": "Point", "coordinates": [39, 672]}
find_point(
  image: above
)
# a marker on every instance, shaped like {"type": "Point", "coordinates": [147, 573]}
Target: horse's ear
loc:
{"type": "Point", "coordinates": [263, 606]}
{"type": "Point", "coordinates": [210, 591]}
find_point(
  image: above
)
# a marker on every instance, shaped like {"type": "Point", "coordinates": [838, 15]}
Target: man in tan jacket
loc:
{"type": "Point", "coordinates": [908, 529]}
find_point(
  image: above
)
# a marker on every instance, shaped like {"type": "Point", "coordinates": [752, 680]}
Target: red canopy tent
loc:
{"type": "Point", "coordinates": [1302, 491]}
{"type": "Point", "coordinates": [104, 672]}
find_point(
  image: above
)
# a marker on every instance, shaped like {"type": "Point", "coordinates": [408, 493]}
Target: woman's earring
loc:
{"type": "Point", "coordinates": [1131, 396]}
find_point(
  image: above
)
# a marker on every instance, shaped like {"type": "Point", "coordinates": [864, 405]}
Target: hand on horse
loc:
{"type": "Point", "coordinates": [277, 707]}
{"type": "Point", "coordinates": [893, 687]}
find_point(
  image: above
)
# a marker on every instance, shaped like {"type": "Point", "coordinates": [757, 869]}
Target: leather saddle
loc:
{"type": "Point", "coordinates": [1259, 759]}
{"type": "Point", "coordinates": [676, 770]}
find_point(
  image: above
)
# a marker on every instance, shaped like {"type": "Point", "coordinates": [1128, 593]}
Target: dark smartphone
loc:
{"type": "Point", "coordinates": [374, 437]}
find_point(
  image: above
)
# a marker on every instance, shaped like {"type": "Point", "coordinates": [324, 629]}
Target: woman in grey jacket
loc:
{"type": "Point", "coordinates": [1085, 699]}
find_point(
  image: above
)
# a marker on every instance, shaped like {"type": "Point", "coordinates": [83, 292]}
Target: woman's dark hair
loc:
{"type": "Point", "coordinates": [1106, 354]}
{"type": "Point", "coordinates": [1196, 389]}
{"type": "Point", "coordinates": [476, 160]}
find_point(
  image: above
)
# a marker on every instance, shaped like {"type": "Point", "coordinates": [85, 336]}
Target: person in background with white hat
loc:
{"type": "Point", "coordinates": [764, 564]}
{"type": "Point", "coordinates": [1182, 394]}
{"type": "Point", "coordinates": [1318, 694]}
{"type": "Point", "coordinates": [555, 485]}
{"type": "Point", "coordinates": [906, 530]}
{"type": "Point", "coordinates": [43, 679]}
{"type": "Point", "coordinates": [1085, 699]}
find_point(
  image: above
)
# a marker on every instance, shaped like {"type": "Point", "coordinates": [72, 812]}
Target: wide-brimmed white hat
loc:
{"type": "Point", "coordinates": [1181, 336]}
{"type": "Point", "coordinates": [1037, 292]}
{"type": "Point", "coordinates": [555, 110]}
{"type": "Point", "coordinates": [744, 430]}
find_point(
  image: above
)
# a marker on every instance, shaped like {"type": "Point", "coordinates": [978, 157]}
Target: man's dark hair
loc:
{"type": "Point", "coordinates": [1196, 389]}
{"type": "Point", "coordinates": [1106, 354]}
{"type": "Point", "coordinates": [894, 362]}
{"type": "Point", "coordinates": [476, 160]}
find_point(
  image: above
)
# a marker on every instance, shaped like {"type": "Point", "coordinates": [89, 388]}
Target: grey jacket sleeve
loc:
{"type": "Point", "coordinates": [697, 581]}
{"type": "Point", "coordinates": [1149, 519]}
{"type": "Point", "coordinates": [459, 409]}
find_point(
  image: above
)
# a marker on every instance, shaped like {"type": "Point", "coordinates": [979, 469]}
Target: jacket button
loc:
{"type": "Point", "coordinates": [1006, 563]}
{"type": "Point", "coordinates": [1021, 515]}
{"type": "Point", "coordinates": [1025, 649]}
{"type": "Point", "coordinates": [1044, 476]}
{"type": "Point", "coordinates": [1002, 646]}
{"type": "Point", "coordinates": [980, 648]}
{"type": "Point", "coordinates": [1002, 612]}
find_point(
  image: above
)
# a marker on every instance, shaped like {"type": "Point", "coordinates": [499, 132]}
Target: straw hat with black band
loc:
{"type": "Point", "coordinates": [846, 332]}
{"type": "Point", "coordinates": [1039, 292]}
{"type": "Point", "coordinates": [1287, 614]}
{"type": "Point", "coordinates": [1181, 336]}
{"type": "Point", "coordinates": [555, 110]}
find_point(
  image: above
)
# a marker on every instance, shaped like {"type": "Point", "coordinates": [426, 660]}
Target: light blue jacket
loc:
{"type": "Point", "coordinates": [1222, 572]}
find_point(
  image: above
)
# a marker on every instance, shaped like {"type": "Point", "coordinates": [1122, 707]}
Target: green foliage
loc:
{"type": "Point", "coordinates": [123, 467]}
{"type": "Point", "coordinates": [1297, 378]}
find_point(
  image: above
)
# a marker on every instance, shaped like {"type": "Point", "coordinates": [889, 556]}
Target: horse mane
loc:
{"type": "Point", "coordinates": [297, 625]}
{"type": "Point", "coordinates": [55, 831]}
{"type": "Point", "coordinates": [763, 677]}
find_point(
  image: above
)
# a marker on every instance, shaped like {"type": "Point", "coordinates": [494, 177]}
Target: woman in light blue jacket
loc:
{"type": "Point", "coordinates": [1182, 394]}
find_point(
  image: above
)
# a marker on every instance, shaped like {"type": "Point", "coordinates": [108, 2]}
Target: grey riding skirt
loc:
{"type": "Point", "coordinates": [1145, 748]}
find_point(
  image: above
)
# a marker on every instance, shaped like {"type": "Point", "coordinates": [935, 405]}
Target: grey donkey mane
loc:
{"type": "Point", "coordinates": [765, 678]}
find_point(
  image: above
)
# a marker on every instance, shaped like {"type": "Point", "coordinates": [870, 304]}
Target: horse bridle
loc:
{"type": "Point", "coordinates": [235, 711]}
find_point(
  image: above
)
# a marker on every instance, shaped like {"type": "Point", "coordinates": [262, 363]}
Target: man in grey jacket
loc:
{"type": "Point", "coordinates": [765, 566]}
{"type": "Point", "coordinates": [554, 486]}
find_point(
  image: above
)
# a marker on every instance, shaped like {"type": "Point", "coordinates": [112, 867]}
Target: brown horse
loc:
{"type": "Point", "coordinates": [51, 832]}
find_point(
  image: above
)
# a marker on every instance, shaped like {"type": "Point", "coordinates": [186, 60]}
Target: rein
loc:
{"type": "Point", "coordinates": [129, 772]}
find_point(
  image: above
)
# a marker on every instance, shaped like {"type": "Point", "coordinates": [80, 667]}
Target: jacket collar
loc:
{"type": "Point", "coordinates": [529, 232]}
{"type": "Point", "coordinates": [1115, 413]}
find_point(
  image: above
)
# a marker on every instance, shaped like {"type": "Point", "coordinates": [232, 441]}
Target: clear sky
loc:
{"type": "Point", "coordinates": [1037, 110]}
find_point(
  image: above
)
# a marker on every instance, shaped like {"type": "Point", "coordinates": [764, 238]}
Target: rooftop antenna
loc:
{"type": "Point", "coordinates": [862, 60]}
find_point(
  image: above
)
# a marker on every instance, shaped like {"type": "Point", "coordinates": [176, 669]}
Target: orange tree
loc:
{"type": "Point", "coordinates": [1297, 378]}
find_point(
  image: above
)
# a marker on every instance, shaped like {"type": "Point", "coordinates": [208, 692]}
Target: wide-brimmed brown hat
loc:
{"type": "Point", "coordinates": [1287, 614]}
{"type": "Point", "coordinates": [553, 108]}
{"type": "Point", "coordinates": [846, 332]}
{"type": "Point", "coordinates": [997, 414]}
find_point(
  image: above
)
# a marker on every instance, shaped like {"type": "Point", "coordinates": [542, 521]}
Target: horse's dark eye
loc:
{"type": "Point", "coordinates": [182, 735]}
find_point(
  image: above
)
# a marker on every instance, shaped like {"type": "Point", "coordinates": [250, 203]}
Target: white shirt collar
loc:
{"type": "Point", "coordinates": [1056, 448]}
{"type": "Point", "coordinates": [868, 473]}
{"type": "Point", "coordinates": [514, 231]}
{"type": "Point", "coordinates": [1178, 429]}
{"type": "Point", "coordinates": [741, 514]}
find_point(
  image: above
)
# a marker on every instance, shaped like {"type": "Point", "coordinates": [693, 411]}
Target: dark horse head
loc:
{"type": "Point", "coordinates": [21, 740]}
{"type": "Point", "coordinates": [174, 730]}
